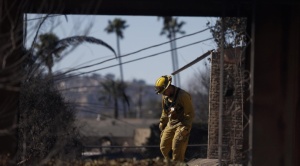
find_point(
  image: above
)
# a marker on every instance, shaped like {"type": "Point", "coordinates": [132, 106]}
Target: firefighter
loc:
{"type": "Point", "coordinates": [176, 119]}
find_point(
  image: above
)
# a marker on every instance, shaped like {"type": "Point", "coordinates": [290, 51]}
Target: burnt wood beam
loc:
{"type": "Point", "coordinates": [141, 7]}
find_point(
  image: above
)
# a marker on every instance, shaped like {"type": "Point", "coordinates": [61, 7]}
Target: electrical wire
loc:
{"type": "Point", "coordinates": [133, 60]}
{"type": "Point", "coordinates": [135, 52]}
{"type": "Point", "coordinates": [107, 116]}
{"type": "Point", "coordinates": [77, 87]}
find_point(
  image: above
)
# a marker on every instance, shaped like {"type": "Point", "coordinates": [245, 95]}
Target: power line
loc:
{"type": "Point", "coordinates": [78, 87]}
{"type": "Point", "coordinates": [107, 116]}
{"type": "Point", "coordinates": [90, 105]}
{"type": "Point", "coordinates": [134, 59]}
{"type": "Point", "coordinates": [93, 60]}
{"type": "Point", "coordinates": [153, 46]}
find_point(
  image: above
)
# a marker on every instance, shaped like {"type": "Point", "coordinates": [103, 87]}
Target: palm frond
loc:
{"type": "Point", "coordinates": [75, 40]}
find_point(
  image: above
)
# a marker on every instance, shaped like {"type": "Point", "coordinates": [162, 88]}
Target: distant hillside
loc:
{"type": "Point", "coordinates": [84, 94]}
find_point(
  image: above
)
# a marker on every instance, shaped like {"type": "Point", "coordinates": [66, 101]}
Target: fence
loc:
{"type": "Point", "coordinates": [138, 152]}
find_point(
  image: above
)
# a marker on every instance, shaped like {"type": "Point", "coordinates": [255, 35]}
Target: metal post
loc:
{"type": "Point", "coordinates": [173, 58]}
{"type": "Point", "coordinates": [221, 98]}
{"type": "Point", "coordinates": [176, 61]}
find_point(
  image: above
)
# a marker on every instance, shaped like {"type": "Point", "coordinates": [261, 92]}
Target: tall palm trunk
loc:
{"type": "Point", "coordinates": [119, 57]}
{"type": "Point", "coordinates": [121, 72]}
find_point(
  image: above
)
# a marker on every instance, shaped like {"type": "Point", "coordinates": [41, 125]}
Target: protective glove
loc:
{"type": "Point", "coordinates": [161, 126]}
{"type": "Point", "coordinates": [184, 131]}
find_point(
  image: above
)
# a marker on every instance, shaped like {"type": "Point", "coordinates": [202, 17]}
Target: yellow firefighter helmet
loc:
{"type": "Point", "coordinates": [162, 83]}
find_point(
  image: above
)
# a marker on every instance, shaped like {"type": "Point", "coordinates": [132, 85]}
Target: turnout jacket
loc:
{"type": "Point", "coordinates": [183, 113]}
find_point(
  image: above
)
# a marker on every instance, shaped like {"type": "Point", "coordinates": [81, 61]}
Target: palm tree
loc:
{"type": "Point", "coordinates": [117, 26]}
{"type": "Point", "coordinates": [50, 45]}
{"type": "Point", "coordinates": [46, 41]}
{"type": "Point", "coordinates": [171, 27]}
{"type": "Point", "coordinates": [113, 91]}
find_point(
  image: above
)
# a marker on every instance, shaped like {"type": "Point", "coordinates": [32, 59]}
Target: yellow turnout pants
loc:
{"type": "Point", "coordinates": [171, 139]}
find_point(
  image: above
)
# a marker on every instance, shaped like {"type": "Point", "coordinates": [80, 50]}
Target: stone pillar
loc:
{"type": "Point", "coordinates": [232, 139]}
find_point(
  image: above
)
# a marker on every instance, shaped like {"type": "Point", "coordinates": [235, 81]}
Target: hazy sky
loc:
{"type": "Point", "coordinates": [143, 32]}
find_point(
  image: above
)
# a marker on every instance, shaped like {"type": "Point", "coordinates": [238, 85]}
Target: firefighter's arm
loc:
{"type": "Point", "coordinates": [163, 118]}
{"type": "Point", "coordinates": [189, 113]}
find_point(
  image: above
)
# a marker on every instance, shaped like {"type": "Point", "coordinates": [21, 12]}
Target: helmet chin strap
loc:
{"type": "Point", "coordinates": [166, 81]}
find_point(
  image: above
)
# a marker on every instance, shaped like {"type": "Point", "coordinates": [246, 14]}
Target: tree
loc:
{"type": "Point", "coordinates": [46, 124]}
{"type": "Point", "coordinates": [234, 30]}
{"type": "Point", "coordinates": [171, 27]}
{"type": "Point", "coordinates": [117, 26]}
{"type": "Point", "coordinates": [113, 91]}
{"type": "Point", "coordinates": [50, 45]}
{"type": "Point", "coordinates": [46, 41]}
{"type": "Point", "coordinates": [46, 121]}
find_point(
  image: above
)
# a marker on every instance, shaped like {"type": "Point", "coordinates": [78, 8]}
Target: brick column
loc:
{"type": "Point", "coordinates": [232, 139]}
